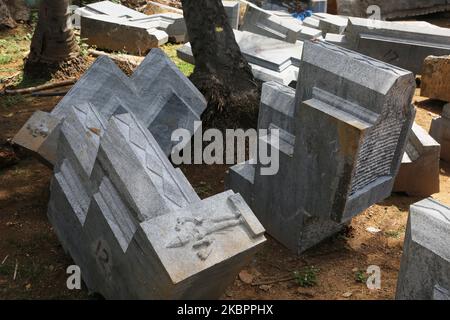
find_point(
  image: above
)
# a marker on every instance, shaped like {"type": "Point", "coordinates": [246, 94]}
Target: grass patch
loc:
{"type": "Point", "coordinates": [361, 276]}
{"type": "Point", "coordinates": [171, 50]}
{"type": "Point", "coordinates": [5, 58]}
{"type": "Point", "coordinates": [396, 234]}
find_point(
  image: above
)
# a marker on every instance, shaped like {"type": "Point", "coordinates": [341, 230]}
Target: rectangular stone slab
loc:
{"type": "Point", "coordinates": [425, 265]}
{"type": "Point", "coordinates": [134, 224]}
{"type": "Point", "coordinates": [343, 143]}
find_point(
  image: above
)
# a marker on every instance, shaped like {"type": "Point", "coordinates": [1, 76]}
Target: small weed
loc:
{"type": "Point", "coordinates": [307, 277]}
{"type": "Point", "coordinates": [361, 276]}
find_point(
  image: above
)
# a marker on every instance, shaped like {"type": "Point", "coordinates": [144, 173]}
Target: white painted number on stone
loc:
{"type": "Point", "coordinates": [374, 279]}
{"type": "Point", "coordinates": [74, 280]}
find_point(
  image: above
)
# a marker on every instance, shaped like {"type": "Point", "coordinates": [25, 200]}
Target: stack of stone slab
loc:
{"type": "Point", "coordinates": [340, 147]}
{"type": "Point", "coordinates": [391, 9]}
{"type": "Point", "coordinates": [270, 59]}
{"type": "Point", "coordinates": [440, 130]}
{"type": "Point", "coordinates": [419, 172]}
{"type": "Point", "coordinates": [285, 28]}
{"type": "Point", "coordinates": [115, 27]}
{"type": "Point", "coordinates": [435, 80]}
{"type": "Point", "coordinates": [133, 223]}
{"type": "Point", "coordinates": [425, 266]}
{"type": "Point", "coordinates": [403, 44]}
{"type": "Point", "coordinates": [157, 93]}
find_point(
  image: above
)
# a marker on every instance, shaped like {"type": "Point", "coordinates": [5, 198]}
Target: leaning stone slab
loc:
{"type": "Point", "coordinates": [419, 172]}
{"type": "Point", "coordinates": [440, 130]}
{"type": "Point", "coordinates": [403, 44]}
{"type": "Point", "coordinates": [270, 59]}
{"type": "Point", "coordinates": [340, 146]}
{"type": "Point", "coordinates": [435, 81]}
{"type": "Point", "coordinates": [134, 224]}
{"type": "Point", "coordinates": [157, 93]}
{"type": "Point", "coordinates": [425, 265]}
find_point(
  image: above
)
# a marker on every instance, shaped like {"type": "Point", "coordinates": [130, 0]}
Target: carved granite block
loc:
{"type": "Point", "coordinates": [134, 224]}
{"type": "Point", "coordinates": [157, 93]}
{"type": "Point", "coordinates": [440, 130]}
{"type": "Point", "coordinates": [419, 172]}
{"type": "Point", "coordinates": [341, 143]}
{"type": "Point", "coordinates": [425, 270]}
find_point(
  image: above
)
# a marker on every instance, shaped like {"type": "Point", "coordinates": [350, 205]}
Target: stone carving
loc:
{"type": "Point", "coordinates": [157, 93]}
{"type": "Point", "coordinates": [340, 145]}
{"type": "Point", "coordinates": [424, 271]}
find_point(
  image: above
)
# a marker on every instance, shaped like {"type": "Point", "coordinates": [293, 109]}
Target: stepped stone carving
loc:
{"type": "Point", "coordinates": [440, 130]}
{"type": "Point", "coordinates": [340, 146]}
{"type": "Point", "coordinates": [157, 93]}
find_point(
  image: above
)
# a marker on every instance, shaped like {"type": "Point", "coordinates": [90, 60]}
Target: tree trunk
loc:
{"type": "Point", "coordinates": [221, 72]}
{"type": "Point", "coordinates": [53, 40]}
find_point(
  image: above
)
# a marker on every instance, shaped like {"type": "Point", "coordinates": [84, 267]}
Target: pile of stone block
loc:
{"type": "Point", "coordinates": [435, 80]}
{"type": "Point", "coordinates": [391, 9]}
{"type": "Point", "coordinates": [425, 266]}
{"type": "Point", "coordinates": [419, 172]}
{"type": "Point", "coordinates": [404, 44]}
{"type": "Point", "coordinates": [270, 59]}
{"type": "Point", "coordinates": [157, 93]}
{"type": "Point", "coordinates": [340, 146]}
{"type": "Point", "coordinates": [440, 130]}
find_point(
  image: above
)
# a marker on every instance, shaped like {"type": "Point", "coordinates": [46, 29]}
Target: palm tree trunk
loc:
{"type": "Point", "coordinates": [221, 72]}
{"type": "Point", "coordinates": [53, 40]}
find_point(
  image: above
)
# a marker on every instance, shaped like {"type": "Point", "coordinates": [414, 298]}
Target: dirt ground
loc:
{"type": "Point", "coordinates": [33, 264]}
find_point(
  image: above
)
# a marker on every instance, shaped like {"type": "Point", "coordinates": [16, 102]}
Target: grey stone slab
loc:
{"type": "Point", "coordinates": [329, 23]}
{"type": "Point", "coordinates": [403, 44]}
{"type": "Point", "coordinates": [340, 146]}
{"type": "Point", "coordinates": [134, 224]}
{"type": "Point", "coordinates": [158, 94]}
{"type": "Point", "coordinates": [121, 34]}
{"type": "Point", "coordinates": [318, 5]}
{"type": "Point", "coordinates": [425, 271]}
{"type": "Point", "coordinates": [440, 130]}
{"type": "Point", "coordinates": [263, 22]}
{"type": "Point", "coordinates": [419, 171]}
{"type": "Point", "coordinates": [270, 59]}
{"type": "Point", "coordinates": [232, 9]}
{"type": "Point", "coordinates": [114, 10]}
{"type": "Point", "coordinates": [391, 9]}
